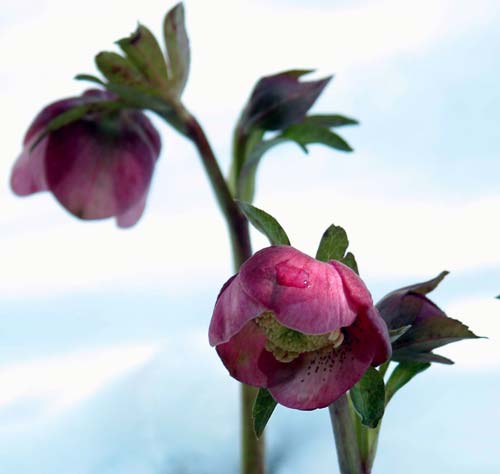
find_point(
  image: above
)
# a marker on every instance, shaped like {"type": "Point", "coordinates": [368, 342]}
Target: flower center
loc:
{"type": "Point", "coordinates": [287, 344]}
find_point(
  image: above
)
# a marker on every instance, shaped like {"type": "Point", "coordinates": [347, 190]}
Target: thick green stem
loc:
{"type": "Point", "coordinates": [346, 437]}
{"type": "Point", "coordinates": [252, 449]}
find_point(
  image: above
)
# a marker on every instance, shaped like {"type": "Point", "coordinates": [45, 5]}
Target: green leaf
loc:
{"type": "Point", "coordinates": [413, 356]}
{"type": "Point", "coordinates": [262, 410]}
{"type": "Point", "coordinates": [433, 332]}
{"type": "Point", "coordinates": [350, 261]}
{"type": "Point", "coordinates": [333, 244]}
{"type": "Point", "coordinates": [74, 114]}
{"type": "Point", "coordinates": [401, 375]}
{"type": "Point", "coordinates": [395, 334]}
{"type": "Point", "coordinates": [265, 223]}
{"type": "Point", "coordinates": [144, 52]}
{"type": "Point", "coordinates": [116, 68]}
{"type": "Point", "coordinates": [306, 133]}
{"type": "Point", "coordinates": [89, 78]}
{"type": "Point", "coordinates": [177, 43]}
{"type": "Point", "coordinates": [368, 397]}
{"type": "Point", "coordinates": [330, 120]}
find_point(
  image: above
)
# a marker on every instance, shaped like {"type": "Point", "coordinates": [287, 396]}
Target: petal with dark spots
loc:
{"type": "Point", "coordinates": [323, 376]}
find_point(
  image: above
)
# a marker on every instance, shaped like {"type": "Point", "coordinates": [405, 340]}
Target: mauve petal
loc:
{"type": "Point", "coordinates": [95, 173]}
{"type": "Point", "coordinates": [233, 309]}
{"type": "Point", "coordinates": [28, 174]}
{"type": "Point", "coordinates": [133, 214]}
{"type": "Point", "coordinates": [305, 294]}
{"type": "Point", "coordinates": [321, 379]}
{"type": "Point", "coordinates": [247, 360]}
{"type": "Point", "coordinates": [47, 114]}
{"type": "Point", "coordinates": [357, 293]}
{"type": "Point", "coordinates": [150, 132]}
{"type": "Point", "coordinates": [51, 111]}
{"type": "Point", "coordinates": [379, 335]}
{"type": "Point", "coordinates": [407, 309]}
{"type": "Point", "coordinates": [428, 309]}
{"type": "Point", "coordinates": [97, 95]}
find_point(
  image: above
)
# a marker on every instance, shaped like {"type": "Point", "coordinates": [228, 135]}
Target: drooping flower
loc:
{"type": "Point", "coordinates": [98, 166]}
{"type": "Point", "coordinates": [304, 329]}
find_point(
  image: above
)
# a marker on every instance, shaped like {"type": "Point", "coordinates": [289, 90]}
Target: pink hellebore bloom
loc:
{"type": "Point", "coordinates": [304, 329]}
{"type": "Point", "coordinates": [98, 166]}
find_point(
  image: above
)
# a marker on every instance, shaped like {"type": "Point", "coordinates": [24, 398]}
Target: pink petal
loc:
{"type": "Point", "coordinates": [133, 214]}
{"type": "Point", "coordinates": [428, 309]}
{"type": "Point", "coordinates": [150, 133]}
{"type": "Point", "coordinates": [28, 174]}
{"type": "Point", "coordinates": [97, 174]}
{"type": "Point", "coordinates": [322, 378]}
{"type": "Point", "coordinates": [377, 328]}
{"type": "Point", "coordinates": [233, 309]}
{"type": "Point", "coordinates": [247, 360]}
{"type": "Point", "coordinates": [305, 294]}
{"type": "Point", "coordinates": [357, 293]}
{"type": "Point", "coordinates": [47, 114]}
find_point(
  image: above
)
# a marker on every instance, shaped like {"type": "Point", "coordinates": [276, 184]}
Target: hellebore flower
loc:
{"type": "Point", "coordinates": [304, 329]}
{"type": "Point", "coordinates": [425, 326]}
{"type": "Point", "coordinates": [98, 166]}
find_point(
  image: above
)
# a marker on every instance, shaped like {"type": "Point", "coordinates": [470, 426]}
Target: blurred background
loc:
{"type": "Point", "coordinates": [104, 361]}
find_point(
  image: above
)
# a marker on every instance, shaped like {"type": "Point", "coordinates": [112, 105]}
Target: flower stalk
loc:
{"type": "Point", "coordinates": [346, 430]}
{"type": "Point", "coordinates": [252, 449]}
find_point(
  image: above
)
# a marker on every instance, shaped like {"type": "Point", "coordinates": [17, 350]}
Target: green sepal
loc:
{"type": "Point", "coordinates": [90, 78]}
{"type": "Point", "coordinates": [432, 333]}
{"type": "Point", "coordinates": [178, 51]}
{"type": "Point", "coordinates": [401, 375]}
{"type": "Point", "coordinates": [395, 334]}
{"type": "Point", "coordinates": [143, 51]}
{"type": "Point", "coordinates": [309, 133]}
{"type": "Point", "coordinates": [330, 120]}
{"type": "Point", "coordinates": [413, 356]}
{"type": "Point", "coordinates": [74, 114]}
{"type": "Point", "coordinates": [350, 261]}
{"type": "Point", "coordinates": [264, 223]}
{"type": "Point", "coordinates": [263, 408]}
{"type": "Point", "coordinates": [333, 246]}
{"type": "Point", "coordinates": [368, 397]}
{"type": "Point", "coordinates": [117, 69]}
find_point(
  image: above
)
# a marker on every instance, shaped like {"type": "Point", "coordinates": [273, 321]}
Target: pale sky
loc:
{"type": "Point", "coordinates": [419, 195]}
